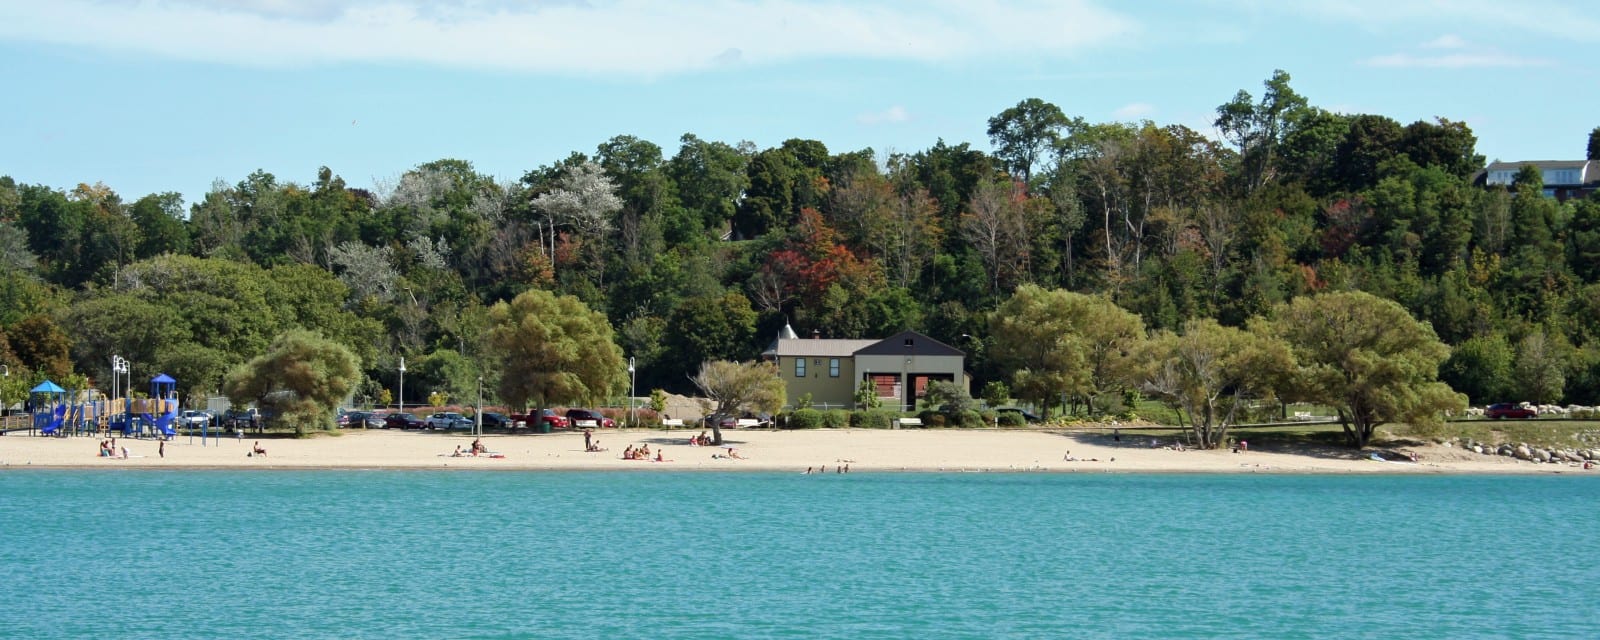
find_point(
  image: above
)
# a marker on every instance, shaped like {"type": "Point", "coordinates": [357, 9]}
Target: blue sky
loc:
{"type": "Point", "coordinates": [170, 95]}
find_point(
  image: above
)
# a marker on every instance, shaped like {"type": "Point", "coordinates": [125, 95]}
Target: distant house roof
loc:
{"type": "Point", "coordinates": [909, 343]}
{"type": "Point", "coordinates": [1587, 171]}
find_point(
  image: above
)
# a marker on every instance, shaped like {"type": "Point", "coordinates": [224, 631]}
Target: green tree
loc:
{"type": "Point", "coordinates": [302, 376]}
{"type": "Point", "coordinates": [740, 387]}
{"type": "Point", "coordinates": [553, 349]}
{"type": "Point", "coordinates": [1061, 342]}
{"type": "Point", "coordinates": [1480, 367]}
{"type": "Point", "coordinates": [1023, 133]}
{"type": "Point", "coordinates": [1209, 371]}
{"type": "Point", "coordinates": [1367, 358]}
{"type": "Point", "coordinates": [1594, 144]}
{"type": "Point", "coordinates": [1539, 369]}
{"type": "Point", "coordinates": [866, 396]}
{"type": "Point", "coordinates": [1258, 129]}
{"type": "Point", "coordinates": [996, 393]}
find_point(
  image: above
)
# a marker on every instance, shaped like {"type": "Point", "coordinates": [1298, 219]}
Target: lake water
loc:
{"type": "Point", "coordinates": [396, 554]}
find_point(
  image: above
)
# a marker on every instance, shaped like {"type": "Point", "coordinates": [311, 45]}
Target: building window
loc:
{"type": "Point", "coordinates": [799, 367]}
{"type": "Point", "coordinates": [833, 367]}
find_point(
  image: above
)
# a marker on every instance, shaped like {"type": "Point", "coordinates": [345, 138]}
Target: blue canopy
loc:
{"type": "Point", "coordinates": [48, 387]}
{"type": "Point", "coordinates": [163, 378]}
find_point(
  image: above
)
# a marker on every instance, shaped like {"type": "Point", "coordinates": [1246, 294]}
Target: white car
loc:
{"type": "Point", "coordinates": [194, 419]}
{"type": "Point", "coordinates": [447, 420]}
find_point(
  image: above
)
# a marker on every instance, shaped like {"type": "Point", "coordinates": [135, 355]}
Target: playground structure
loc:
{"type": "Point", "coordinates": [90, 412]}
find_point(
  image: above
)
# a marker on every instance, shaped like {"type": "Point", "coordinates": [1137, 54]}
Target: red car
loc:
{"type": "Point", "coordinates": [1508, 410]}
{"type": "Point", "coordinates": [549, 416]}
{"type": "Point", "coordinates": [590, 415]}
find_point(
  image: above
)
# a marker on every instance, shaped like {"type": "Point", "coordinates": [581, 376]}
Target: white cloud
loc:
{"type": "Point", "coordinates": [1134, 111]}
{"type": "Point", "coordinates": [893, 115]}
{"type": "Point", "coordinates": [1454, 61]}
{"type": "Point", "coordinates": [1559, 19]}
{"type": "Point", "coordinates": [640, 37]}
{"type": "Point", "coordinates": [1447, 41]}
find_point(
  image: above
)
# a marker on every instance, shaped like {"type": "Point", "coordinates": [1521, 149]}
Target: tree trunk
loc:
{"type": "Point", "coordinates": [716, 433]}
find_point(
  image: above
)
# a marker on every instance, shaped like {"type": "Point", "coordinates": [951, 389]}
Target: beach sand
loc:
{"type": "Point", "coordinates": [762, 450]}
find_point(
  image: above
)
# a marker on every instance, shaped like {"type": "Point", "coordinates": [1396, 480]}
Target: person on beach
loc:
{"type": "Point", "coordinates": [258, 450]}
{"type": "Point", "coordinates": [1244, 445]}
{"type": "Point", "coordinates": [124, 453]}
{"type": "Point", "coordinates": [457, 454]}
{"type": "Point", "coordinates": [588, 440]}
{"type": "Point", "coordinates": [661, 456]}
{"type": "Point", "coordinates": [734, 453]}
{"type": "Point", "coordinates": [162, 449]}
{"type": "Point", "coordinates": [477, 446]}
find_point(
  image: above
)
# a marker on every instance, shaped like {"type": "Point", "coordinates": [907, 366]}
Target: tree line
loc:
{"type": "Point", "coordinates": [702, 255]}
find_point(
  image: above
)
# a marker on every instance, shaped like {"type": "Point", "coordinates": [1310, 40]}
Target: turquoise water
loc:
{"type": "Point", "coordinates": [537, 555]}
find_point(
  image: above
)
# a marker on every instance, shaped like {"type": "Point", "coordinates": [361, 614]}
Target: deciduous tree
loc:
{"type": "Point", "coordinates": [1209, 370]}
{"type": "Point", "coordinates": [740, 387]}
{"type": "Point", "coordinates": [302, 376]}
{"type": "Point", "coordinates": [553, 349]}
{"type": "Point", "coordinates": [1367, 358]}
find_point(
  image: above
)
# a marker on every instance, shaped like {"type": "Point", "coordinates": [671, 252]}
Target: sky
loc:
{"type": "Point", "coordinates": [151, 96]}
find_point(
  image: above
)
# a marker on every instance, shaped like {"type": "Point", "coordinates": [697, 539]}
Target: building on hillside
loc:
{"type": "Point", "coordinates": [900, 367]}
{"type": "Point", "coordinates": [1563, 179]}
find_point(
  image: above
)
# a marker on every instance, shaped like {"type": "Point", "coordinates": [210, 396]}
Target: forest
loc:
{"type": "Point", "coordinates": [704, 254]}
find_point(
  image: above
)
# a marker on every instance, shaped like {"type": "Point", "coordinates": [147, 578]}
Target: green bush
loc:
{"type": "Point", "coordinates": [969, 420]}
{"type": "Point", "coordinates": [931, 418]}
{"type": "Point", "coordinates": [875, 419]}
{"type": "Point", "coordinates": [805, 419]}
{"type": "Point", "coordinates": [835, 419]}
{"type": "Point", "coordinates": [1011, 419]}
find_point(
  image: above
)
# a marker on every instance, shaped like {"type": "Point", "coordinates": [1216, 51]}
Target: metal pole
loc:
{"type": "Point", "coordinates": [402, 384]}
{"type": "Point", "coordinates": [480, 405]}
{"type": "Point", "coordinates": [633, 390]}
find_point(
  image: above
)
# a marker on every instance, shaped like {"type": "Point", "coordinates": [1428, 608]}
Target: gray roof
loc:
{"type": "Point", "coordinates": [816, 348]}
{"type": "Point", "coordinates": [909, 343]}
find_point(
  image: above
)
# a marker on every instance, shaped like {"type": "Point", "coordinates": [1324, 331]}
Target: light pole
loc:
{"type": "Point", "coordinates": [402, 396]}
{"type": "Point", "coordinates": [633, 390]}
{"type": "Point", "coordinates": [480, 405]}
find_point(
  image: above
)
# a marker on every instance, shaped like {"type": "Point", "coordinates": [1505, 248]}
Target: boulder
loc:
{"type": "Point", "coordinates": [1541, 455]}
{"type": "Point", "coordinates": [1522, 452]}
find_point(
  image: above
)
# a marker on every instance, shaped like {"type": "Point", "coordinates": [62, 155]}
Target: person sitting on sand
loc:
{"type": "Point", "coordinates": [660, 456]}
{"type": "Point", "coordinates": [593, 446]}
{"type": "Point", "coordinates": [258, 450]}
{"type": "Point", "coordinates": [457, 454]}
{"type": "Point", "coordinates": [734, 453]}
{"type": "Point", "coordinates": [627, 454]}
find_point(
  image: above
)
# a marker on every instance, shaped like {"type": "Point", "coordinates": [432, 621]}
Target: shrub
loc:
{"type": "Point", "coordinates": [805, 419]}
{"type": "Point", "coordinates": [835, 419]}
{"type": "Point", "coordinates": [969, 420]}
{"type": "Point", "coordinates": [875, 419]}
{"type": "Point", "coordinates": [931, 418]}
{"type": "Point", "coordinates": [1011, 419]}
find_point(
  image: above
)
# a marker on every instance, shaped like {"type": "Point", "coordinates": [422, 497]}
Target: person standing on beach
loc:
{"type": "Point", "coordinates": [162, 449]}
{"type": "Point", "coordinates": [588, 440]}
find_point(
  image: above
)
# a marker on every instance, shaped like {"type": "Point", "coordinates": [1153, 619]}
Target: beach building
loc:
{"type": "Point", "coordinates": [899, 367]}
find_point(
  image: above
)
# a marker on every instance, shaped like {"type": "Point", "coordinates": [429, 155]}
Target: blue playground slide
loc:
{"type": "Point", "coordinates": [163, 424]}
{"type": "Point", "coordinates": [56, 419]}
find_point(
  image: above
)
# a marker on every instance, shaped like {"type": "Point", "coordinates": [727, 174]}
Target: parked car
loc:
{"type": "Point", "coordinates": [1027, 416]}
{"type": "Point", "coordinates": [403, 421]}
{"type": "Point", "coordinates": [447, 420]}
{"type": "Point", "coordinates": [729, 421]}
{"type": "Point", "coordinates": [360, 420]}
{"type": "Point", "coordinates": [575, 416]}
{"type": "Point", "coordinates": [242, 419]}
{"type": "Point", "coordinates": [547, 416]}
{"type": "Point", "coordinates": [1508, 410]}
{"type": "Point", "coordinates": [492, 420]}
{"type": "Point", "coordinates": [195, 419]}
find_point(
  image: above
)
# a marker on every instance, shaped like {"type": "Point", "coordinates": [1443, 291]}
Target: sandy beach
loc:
{"type": "Point", "coordinates": [760, 450]}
